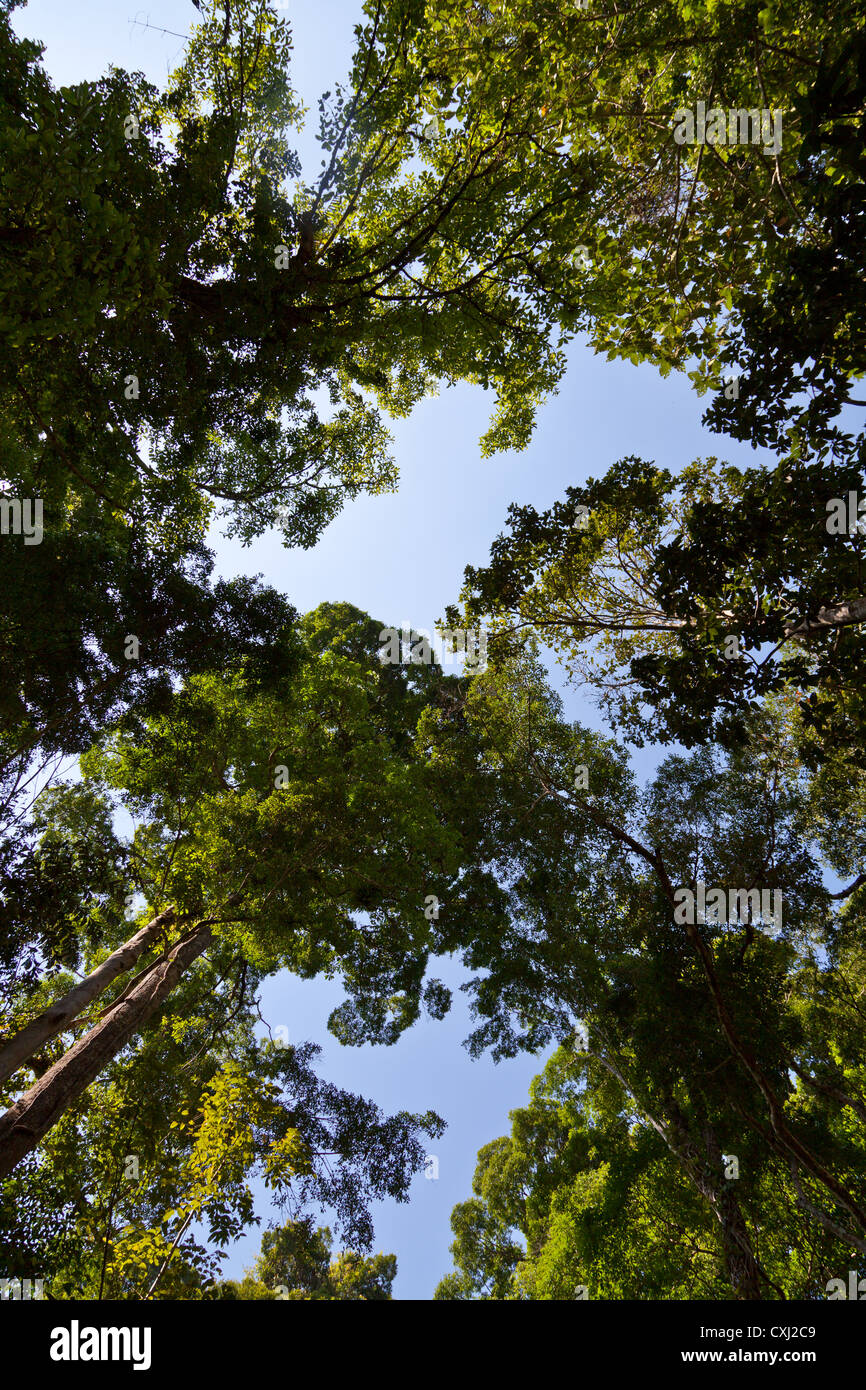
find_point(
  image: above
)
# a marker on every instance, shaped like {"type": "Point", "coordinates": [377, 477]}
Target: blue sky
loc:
{"type": "Point", "coordinates": [402, 556]}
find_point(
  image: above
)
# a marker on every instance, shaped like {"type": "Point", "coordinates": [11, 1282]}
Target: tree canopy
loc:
{"type": "Point", "coordinates": [295, 1264]}
{"type": "Point", "coordinates": [698, 1133]}
{"type": "Point", "coordinates": [201, 788]}
{"type": "Point", "coordinates": [681, 600]}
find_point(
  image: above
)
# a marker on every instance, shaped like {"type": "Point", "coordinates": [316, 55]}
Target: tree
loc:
{"type": "Point", "coordinates": [305, 827]}
{"type": "Point", "coordinates": [683, 601]}
{"type": "Point", "coordinates": [734, 253]}
{"type": "Point", "coordinates": [296, 1263]}
{"type": "Point", "coordinates": [484, 1251]}
{"type": "Point", "coordinates": [714, 1033]}
{"type": "Point", "coordinates": [734, 257]}
{"type": "Point", "coordinates": [62, 883]}
{"type": "Point", "coordinates": [172, 307]}
{"type": "Point", "coordinates": [583, 1202]}
{"type": "Point", "coordinates": [730, 245]}
{"type": "Point", "coordinates": [140, 1186]}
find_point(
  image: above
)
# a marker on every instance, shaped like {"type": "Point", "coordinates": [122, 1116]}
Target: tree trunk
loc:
{"type": "Point", "coordinates": [743, 1269]}
{"type": "Point", "coordinates": [23, 1045]}
{"type": "Point", "coordinates": [31, 1117]}
{"type": "Point", "coordinates": [847, 614]}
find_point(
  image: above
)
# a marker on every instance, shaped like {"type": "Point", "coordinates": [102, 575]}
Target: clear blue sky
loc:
{"type": "Point", "coordinates": [402, 556]}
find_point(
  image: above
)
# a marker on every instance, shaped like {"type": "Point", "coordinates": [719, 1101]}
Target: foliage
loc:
{"type": "Point", "coordinates": [684, 601]}
{"type": "Point", "coordinates": [678, 1043]}
{"type": "Point", "coordinates": [741, 255]}
{"type": "Point", "coordinates": [296, 1264]}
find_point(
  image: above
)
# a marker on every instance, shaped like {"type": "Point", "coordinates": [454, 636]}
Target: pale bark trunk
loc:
{"type": "Point", "coordinates": [845, 614]}
{"type": "Point", "coordinates": [22, 1046]}
{"type": "Point", "coordinates": [31, 1117]}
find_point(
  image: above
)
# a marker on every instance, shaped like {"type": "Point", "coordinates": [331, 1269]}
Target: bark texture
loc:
{"type": "Point", "coordinates": [20, 1048]}
{"type": "Point", "coordinates": [31, 1117]}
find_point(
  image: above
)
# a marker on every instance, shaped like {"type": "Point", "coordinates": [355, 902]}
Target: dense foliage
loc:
{"type": "Point", "coordinates": [200, 788]}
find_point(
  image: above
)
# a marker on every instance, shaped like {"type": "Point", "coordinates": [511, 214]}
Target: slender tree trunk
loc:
{"type": "Point", "coordinates": [20, 1048]}
{"type": "Point", "coordinates": [31, 1117]}
{"type": "Point", "coordinates": [743, 1269]}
